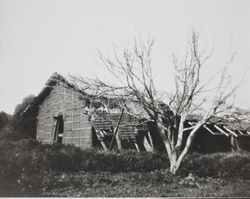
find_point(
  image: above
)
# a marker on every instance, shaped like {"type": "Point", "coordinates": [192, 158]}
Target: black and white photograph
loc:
{"type": "Point", "coordinates": [125, 98]}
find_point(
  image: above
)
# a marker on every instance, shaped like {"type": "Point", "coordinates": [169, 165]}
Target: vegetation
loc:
{"type": "Point", "coordinates": [21, 125]}
{"type": "Point", "coordinates": [24, 121]}
{"type": "Point", "coordinates": [6, 131]}
{"type": "Point", "coordinates": [218, 165]}
{"type": "Point", "coordinates": [146, 184]}
{"type": "Point", "coordinates": [28, 167]}
{"type": "Point", "coordinates": [4, 119]}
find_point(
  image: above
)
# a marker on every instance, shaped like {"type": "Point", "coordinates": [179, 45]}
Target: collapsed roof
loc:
{"type": "Point", "coordinates": [128, 127]}
{"type": "Point", "coordinates": [131, 124]}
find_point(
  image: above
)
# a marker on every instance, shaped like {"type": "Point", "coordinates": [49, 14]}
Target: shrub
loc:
{"type": "Point", "coordinates": [231, 164]}
{"type": "Point", "coordinates": [201, 165]}
{"type": "Point", "coordinates": [29, 165]}
{"type": "Point", "coordinates": [123, 161]}
{"type": "Point", "coordinates": [19, 163]}
{"type": "Point", "coordinates": [25, 163]}
{"type": "Point", "coordinates": [217, 165]}
{"type": "Point", "coordinates": [24, 120]}
{"type": "Point", "coordinates": [63, 158]}
{"type": "Point", "coordinates": [245, 171]}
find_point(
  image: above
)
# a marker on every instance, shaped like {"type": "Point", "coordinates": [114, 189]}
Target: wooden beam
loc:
{"type": "Point", "coordinates": [230, 131]}
{"type": "Point", "coordinates": [208, 129]}
{"type": "Point", "coordinates": [104, 145]}
{"type": "Point", "coordinates": [101, 140]}
{"type": "Point", "coordinates": [116, 130]}
{"type": "Point", "coordinates": [118, 140]}
{"type": "Point", "coordinates": [151, 140]}
{"type": "Point", "coordinates": [147, 145]}
{"type": "Point", "coordinates": [219, 129]}
{"type": "Point", "coordinates": [137, 147]}
{"type": "Point", "coordinates": [102, 133]}
{"type": "Point", "coordinates": [234, 144]}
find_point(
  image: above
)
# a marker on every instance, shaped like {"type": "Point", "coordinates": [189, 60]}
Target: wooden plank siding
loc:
{"type": "Point", "coordinates": [77, 127]}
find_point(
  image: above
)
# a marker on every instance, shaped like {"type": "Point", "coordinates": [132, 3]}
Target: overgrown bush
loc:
{"type": "Point", "coordinates": [63, 157]}
{"type": "Point", "coordinates": [122, 161]}
{"type": "Point", "coordinates": [231, 165]}
{"type": "Point", "coordinates": [29, 165]}
{"type": "Point", "coordinates": [217, 165]}
{"type": "Point", "coordinates": [19, 161]}
{"type": "Point", "coordinates": [24, 164]}
{"type": "Point", "coordinates": [24, 119]}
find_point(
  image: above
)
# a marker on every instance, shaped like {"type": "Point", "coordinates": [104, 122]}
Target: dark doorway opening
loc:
{"type": "Point", "coordinates": [58, 133]}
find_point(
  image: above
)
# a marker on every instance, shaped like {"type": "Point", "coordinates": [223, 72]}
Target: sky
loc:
{"type": "Point", "coordinates": [38, 38]}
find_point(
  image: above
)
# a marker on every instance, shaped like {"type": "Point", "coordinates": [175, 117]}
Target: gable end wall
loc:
{"type": "Point", "coordinates": [77, 128]}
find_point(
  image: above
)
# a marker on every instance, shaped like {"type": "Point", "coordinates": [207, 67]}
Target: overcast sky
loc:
{"type": "Point", "coordinates": [38, 38]}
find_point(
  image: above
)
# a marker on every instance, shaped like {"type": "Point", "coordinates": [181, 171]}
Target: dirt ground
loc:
{"type": "Point", "coordinates": [139, 185]}
{"type": "Point", "coordinates": [230, 189]}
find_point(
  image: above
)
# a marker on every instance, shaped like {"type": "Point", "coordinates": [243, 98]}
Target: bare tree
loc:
{"type": "Point", "coordinates": [132, 68]}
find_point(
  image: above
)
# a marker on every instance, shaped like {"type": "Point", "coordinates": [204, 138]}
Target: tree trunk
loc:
{"type": "Point", "coordinates": [173, 162]}
{"type": "Point", "coordinates": [165, 139]}
{"type": "Point", "coordinates": [174, 154]}
{"type": "Point", "coordinates": [118, 141]}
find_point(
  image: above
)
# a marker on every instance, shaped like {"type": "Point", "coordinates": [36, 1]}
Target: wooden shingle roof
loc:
{"type": "Point", "coordinates": [128, 127]}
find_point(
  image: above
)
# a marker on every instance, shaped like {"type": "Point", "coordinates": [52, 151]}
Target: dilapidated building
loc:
{"type": "Point", "coordinates": [64, 117]}
{"type": "Point", "coordinates": [221, 136]}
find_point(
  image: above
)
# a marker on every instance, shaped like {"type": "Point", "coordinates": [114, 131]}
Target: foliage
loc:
{"type": "Point", "coordinates": [217, 165]}
{"type": "Point", "coordinates": [28, 165]}
{"type": "Point", "coordinates": [25, 163]}
{"type": "Point", "coordinates": [133, 184]}
{"type": "Point", "coordinates": [122, 161]}
{"type": "Point", "coordinates": [19, 162]}
{"type": "Point", "coordinates": [24, 120]}
{"type": "Point", "coordinates": [63, 158]}
{"type": "Point", "coordinates": [4, 120]}
{"type": "Point", "coordinates": [6, 130]}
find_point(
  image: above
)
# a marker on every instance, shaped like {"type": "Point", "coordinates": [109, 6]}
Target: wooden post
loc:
{"type": "Point", "coordinates": [147, 145]}
{"type": "Point", "coordinates": [104, 145]}
{"type": "Point", "coordinates": [118, 140]}
{"type": "Point", "coordinates": [115, 132]}
{"type": "Point", "coordinates": [234, 144]}
{"type": "Point", "coordinates": [101, 140]}
{"type": "Point", "coordinates": [134, 140]}
{"type": "Point", "coordinates": [136, 146]}
{"type": "Point", "coordinates": [151, 140]}
{"type": "Point", "coordinates": [237, 144]}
